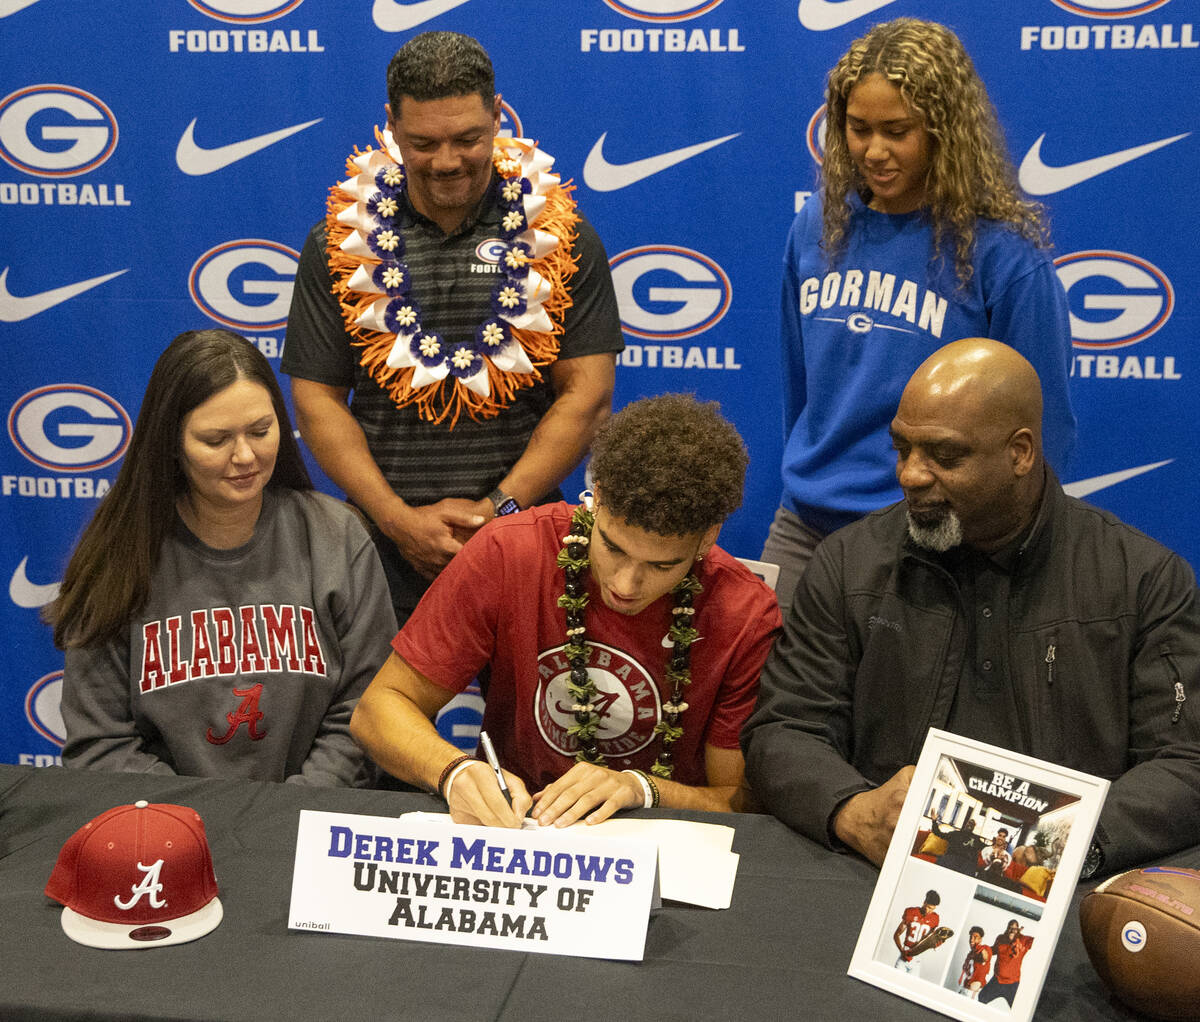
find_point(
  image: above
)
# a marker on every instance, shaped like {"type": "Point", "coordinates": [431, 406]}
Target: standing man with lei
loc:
{"type": "Point", "coordinates": [624, 645]}
{"type": "Point", "coordinates": [455, 291]}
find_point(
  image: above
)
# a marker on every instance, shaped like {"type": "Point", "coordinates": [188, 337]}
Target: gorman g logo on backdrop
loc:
{"type": "Point", "coordinates": [69, 427]}
{"type": "Point", "coordinates": [42, 708]}
{"type": "Point", "coordinates": [667, 292]}
{"type": "Point", "coordinates": [1110, 8]}
{"type": "Point", "coordinates": [659, 11]}
{"type": "Point", "coordinates": [815, 134]}
{"type": "Point", "coordinates": [245, 12]}
{"type": "Point", "coordinates": [225, 280]}
{"type": "Point", "coordinates": [56, 131]}
{"type": "Point", "coordinates": [1133, 296]}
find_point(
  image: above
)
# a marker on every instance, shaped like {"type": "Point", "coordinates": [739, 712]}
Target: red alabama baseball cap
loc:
{"type": "Point", "coordinates": [135, 877]}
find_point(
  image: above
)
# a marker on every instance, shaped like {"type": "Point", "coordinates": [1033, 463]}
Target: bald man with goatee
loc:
{"type": "Point", "coordinates": [990, 604]}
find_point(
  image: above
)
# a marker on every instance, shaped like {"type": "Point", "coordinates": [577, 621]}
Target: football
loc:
{"type": "Point", "coordinates": [1142, 933]}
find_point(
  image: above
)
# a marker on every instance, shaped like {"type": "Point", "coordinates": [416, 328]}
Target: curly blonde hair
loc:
{"type": "Point", "coordinates": [970, 174]}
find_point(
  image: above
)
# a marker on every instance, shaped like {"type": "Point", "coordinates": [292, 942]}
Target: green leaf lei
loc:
{"type": "Point", "coordinates": [574, 560]}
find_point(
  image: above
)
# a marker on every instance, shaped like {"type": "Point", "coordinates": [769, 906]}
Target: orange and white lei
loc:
{"type": "Point", "coordinates": [444, 377]}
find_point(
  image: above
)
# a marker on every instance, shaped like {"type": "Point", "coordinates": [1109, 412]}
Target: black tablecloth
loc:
{"type": "Point", "coordinates": [780, 952]}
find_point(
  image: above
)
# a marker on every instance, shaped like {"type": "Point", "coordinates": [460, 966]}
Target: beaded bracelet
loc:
{"type": "Point", "coordinates": [447, 771]}
{"type": "Point", "coordinates": [653, 789]}
{"type": "Point", "coordinates": [647, 797]}
{"type": "Point", "coordinates": [648, 786]}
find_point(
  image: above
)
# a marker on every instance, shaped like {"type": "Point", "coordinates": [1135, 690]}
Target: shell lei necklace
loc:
{"type": "Point", "coordinates": [478, 374]}
{"type": "Point", "coordinates": [574, 561]}
{"type": "Point", "coordinates": [431, 357]}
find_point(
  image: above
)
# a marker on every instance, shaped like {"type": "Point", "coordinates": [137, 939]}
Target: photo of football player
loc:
{"type": "Point", "coordinates": [918, 932]}
{"type": "Point", "coordinates": [996, 858]}
{"type": "Point", "coordinates": [975, 966]}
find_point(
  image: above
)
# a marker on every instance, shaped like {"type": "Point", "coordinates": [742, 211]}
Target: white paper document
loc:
{"type": "Point", "coordinates": [695, 862]}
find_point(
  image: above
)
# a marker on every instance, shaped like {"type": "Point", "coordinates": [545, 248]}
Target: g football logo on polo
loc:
{"type": "Point", "coordinates": [68, 427]}
{"type": "Point", "coordinates": [1110, 8]}
{"type": "Point", "coordinates": [56, 131]}
{"type": "Point", "coordinates": [245, 12]}
{"type": "Point", "coordinates": [1115, 299]}
{"type": "Point", "coordinates": [627, 702]}
{"type": "Point", "coordinates": [662, 10]}
{"type": "Point", "coordinates": [42, 708]}
{"type": "Point", "coordinates": [245, 284]}
{"type": "Point", "coordinates": [667, 293]}
{"type": "Point", "coordinates": [815, 134]}
{"type": "Point", "coordinates": [490, 250]}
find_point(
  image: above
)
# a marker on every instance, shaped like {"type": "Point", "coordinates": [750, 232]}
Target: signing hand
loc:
{"type": "Point", "coordinates": [586, 788]}
{"type": "Point", "coordinates": [865, 821]}
{"type": "Point", "coordinates": [475, 797]}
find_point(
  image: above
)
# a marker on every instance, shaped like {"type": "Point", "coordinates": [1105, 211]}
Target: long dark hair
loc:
{"type": "Point", "coordinates": [108, 577]}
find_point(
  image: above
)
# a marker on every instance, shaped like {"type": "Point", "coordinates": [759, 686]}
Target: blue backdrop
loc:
{"type": "Point", "coordinates": [163, 162]}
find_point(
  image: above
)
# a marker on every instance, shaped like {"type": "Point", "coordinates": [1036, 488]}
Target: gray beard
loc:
{"type": "Point", "coordinates": [939, 537]}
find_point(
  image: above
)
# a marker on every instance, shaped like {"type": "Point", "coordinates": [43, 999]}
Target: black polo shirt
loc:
{"type": "Point", "coordinates": [452, 284]}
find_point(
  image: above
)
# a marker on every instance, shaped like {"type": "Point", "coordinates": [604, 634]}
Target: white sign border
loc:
{"type": "Point", "coordinates": [902, 871]}
{"type": "Point", "coordinates": [326, 899]}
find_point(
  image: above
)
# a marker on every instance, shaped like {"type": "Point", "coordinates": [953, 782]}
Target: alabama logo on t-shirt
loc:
{"type": "Point", "coordinates": [627, 701]}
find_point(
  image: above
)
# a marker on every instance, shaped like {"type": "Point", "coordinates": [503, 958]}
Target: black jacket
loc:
{"type": "Point", "coordinates": [1103, 655]}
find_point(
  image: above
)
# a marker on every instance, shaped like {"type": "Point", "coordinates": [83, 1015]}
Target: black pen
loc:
{"type": "Point", "coordinates": [490, 754]}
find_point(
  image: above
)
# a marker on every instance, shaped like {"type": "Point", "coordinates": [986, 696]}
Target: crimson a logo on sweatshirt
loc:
{"type": "Point", "coordinates": [628, 703]}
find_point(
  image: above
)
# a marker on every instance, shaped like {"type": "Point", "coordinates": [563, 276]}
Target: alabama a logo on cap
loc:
{"type": "Point", "coordinates": [150, 887]}
{"type": "Point", "coordinates": [137, 876]}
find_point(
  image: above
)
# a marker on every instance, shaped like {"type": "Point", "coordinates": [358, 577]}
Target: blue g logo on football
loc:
{"type": "Point", "coordinates": [662, 10]}
{"type": "Point", "coordinates": [667, 293]}
{"type": "Point", "coordinates": [55, 131]}
{"type": "Point", "coordinates": [43, 709]}
{"type": "Point", "coordinates": [1115, 299]}
{"type": "Point", "coordinates": [1133, 936]}
{"type": "Point", "coordinates": [245, 12]}
{"type": "Point", "coordinates": [1110, 8]}
{"type": "Point", "coordinates": [68, 427]}
{"type": "Point", "coordinates": [245, 284]}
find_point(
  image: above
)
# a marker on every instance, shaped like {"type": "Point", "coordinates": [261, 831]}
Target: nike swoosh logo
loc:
{"type": "Point", "coordinates": [13, 309]}
{"type": "Point", "coordinates": [1039, 179]}
{"type": "Point", "coordinates": [1085, 486]}
{"type": "Point", "coordinates": [602, 176]}
{"type": "Point", "coordinates": [822, 15]}
{"type": "Point", "coordinates": [28, 594]}
{"type": "Point", "coordinates": [193, 160]}
{"type": "Point", "coordinates": [394, 16]}
{"type": "Point", "coordinates": [8, 7]}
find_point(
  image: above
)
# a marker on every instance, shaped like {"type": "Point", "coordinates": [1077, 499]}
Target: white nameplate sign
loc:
{"type": "Point", "coordinates": [563, 893]}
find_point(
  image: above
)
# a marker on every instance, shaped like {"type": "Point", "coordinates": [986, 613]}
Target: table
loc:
{"type": "Point", "coordinates": [780, 951]}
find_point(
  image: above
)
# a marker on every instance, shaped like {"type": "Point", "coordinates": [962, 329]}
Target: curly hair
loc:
{"type": "Point", "coordinates": [435, 65]}
{"type": "Point", "coordinates": [670, 464]}
{"type": "Point", "coordinates": [970, 174]}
